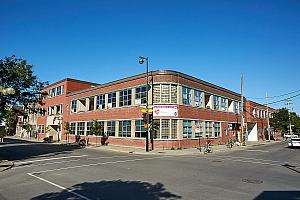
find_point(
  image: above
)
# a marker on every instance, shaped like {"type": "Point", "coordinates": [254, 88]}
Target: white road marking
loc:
{"type": "Point", "coordinates": [47, 159]}
{"type": "Point", "coordinates": [257, 150]}
{"type": "Point", "coordinates": [239, 160]}
{"type": "Point", "coordinates": [95, 164]}
{"type": "Point", "coordinates": [59, 186]}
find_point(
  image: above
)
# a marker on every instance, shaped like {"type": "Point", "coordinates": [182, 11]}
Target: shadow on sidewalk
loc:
{"type": "Point", "coordinates": [279, 195]}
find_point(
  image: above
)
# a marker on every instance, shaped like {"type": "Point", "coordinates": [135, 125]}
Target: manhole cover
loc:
{"type": "Point", "coordinates": [253, 181]}
{"type": "Point", "coordinates": [216, 161]}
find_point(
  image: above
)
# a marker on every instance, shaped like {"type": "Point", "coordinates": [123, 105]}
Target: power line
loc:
{"type": "Point", "coordinates": [275, 96]}
{"type": "Point", "coordinates": [289, 98]}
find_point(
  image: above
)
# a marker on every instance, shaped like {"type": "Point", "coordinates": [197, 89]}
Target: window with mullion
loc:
{"type": "Point", "coordinates": [140, 94]}
{"type": "Point", "coordinates": [187, 129]}
{"type": "Point", "coordinates": [198, 99]}
{"type": "Point", "coordinates": [89, 125]}
{"type": "Point", "coordinates": [80, 128]}
{"type": "Point", "coordinates": [186, 96]}
{"type": "Point", "coordinates": [100, 102]}
{"type": "Point", "coordinates": [217, 129]}
{"type": "Point", "coordinates": [224, 104]}
{"type": "Point", "coordinates": [140, 131]}
{"type": "Point", "coordinates": [125, 97]}
{"type": "Point", "coordinates": [216, 102]}
{"type": "Point", "coordinates": [112, 99]}
{"type": "Point", "coordinates": [74, 106]}
{"type": "Point", "coordinates": [125, 128]}
{"type": "Point", "coordinates": [111, 128]}
{"type": "Point", "coordinates": [208, 128]}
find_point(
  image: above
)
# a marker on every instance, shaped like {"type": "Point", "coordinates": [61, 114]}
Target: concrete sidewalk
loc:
{"type": "Point", "coordinates": [141, 150]}
{"type": "Point", "coordinates": [189, 151]}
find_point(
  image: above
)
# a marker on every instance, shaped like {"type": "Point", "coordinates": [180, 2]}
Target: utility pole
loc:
{"type": "Point", "coordinates": [242, 112]}
{"type": "Point", "coordinates": [268, 120]}
{"type": "Point", "coordinates": [288, 103]}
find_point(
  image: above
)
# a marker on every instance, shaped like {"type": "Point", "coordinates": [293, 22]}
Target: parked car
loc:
{"type": "Point", "coordinates": [287, 136]}
{"type": "Point", "coordinates": [294, 142]}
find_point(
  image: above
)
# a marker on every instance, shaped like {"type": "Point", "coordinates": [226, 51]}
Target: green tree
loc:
{"type": "Point", "coordinates": [17, 74]}
{"type": "Point", "coordinates": [96, 129]}
{"type": "Point", "coordinates": [281, 122]}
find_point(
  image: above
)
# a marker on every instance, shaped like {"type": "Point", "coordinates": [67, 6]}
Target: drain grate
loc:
{"type": "Point", "coordinates": [253, 181]}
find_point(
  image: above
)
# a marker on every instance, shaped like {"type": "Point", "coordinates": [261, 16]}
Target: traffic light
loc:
{"type": "Point", "coordinates": [145, 118]}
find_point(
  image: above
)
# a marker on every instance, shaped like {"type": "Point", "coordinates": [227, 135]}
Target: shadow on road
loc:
{"type": "Point", "coordinates": [118, 189]}
{"type": "Point", "coordinates": [279, 195]}
{"type": "Point", "coordinates": [14, 149]}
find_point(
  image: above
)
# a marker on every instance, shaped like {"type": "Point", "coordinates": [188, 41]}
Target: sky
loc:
{"type": "Point", "coordinates": [213, 40]}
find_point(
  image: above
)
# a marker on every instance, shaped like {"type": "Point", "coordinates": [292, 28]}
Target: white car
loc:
{"type": "Point", "coordinates": [294, 142]}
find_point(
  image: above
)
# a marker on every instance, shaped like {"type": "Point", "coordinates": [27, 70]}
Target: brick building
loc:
{"type": "Point", "coordinates": [185, 109]}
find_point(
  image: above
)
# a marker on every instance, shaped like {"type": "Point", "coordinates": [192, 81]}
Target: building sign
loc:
{"type": "Point", "coordinates": [165, 111]}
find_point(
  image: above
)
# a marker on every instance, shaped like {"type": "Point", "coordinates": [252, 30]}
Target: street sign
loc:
{"type": "Point", "coordinates": [144, 110]}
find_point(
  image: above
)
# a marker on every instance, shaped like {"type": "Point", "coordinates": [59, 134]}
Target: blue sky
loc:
{"type": "Point", "coordinates": [216, 41]}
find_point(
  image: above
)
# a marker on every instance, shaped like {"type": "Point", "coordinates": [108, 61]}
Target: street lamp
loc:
{"type": "Point", "coordinates": [4, 92]}
{"type": "Point", "coordinates": [7, 91]}
{"type": "Point", "coordinates": [141, 61]}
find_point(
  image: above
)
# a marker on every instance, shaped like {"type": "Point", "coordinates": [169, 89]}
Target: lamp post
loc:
{"type": "Point", "coordinates": [141, 61]}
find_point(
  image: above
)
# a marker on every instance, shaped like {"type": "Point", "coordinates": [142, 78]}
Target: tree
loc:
{"type": "Point", "coordinates": [17, 74]}
{"type": "Point", "coordinates": [281, 122]}
{"type": "Point", "coordinates": [95, 129]}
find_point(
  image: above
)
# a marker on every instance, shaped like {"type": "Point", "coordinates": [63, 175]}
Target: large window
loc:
{"type": "Point", "coordinates": [74, 106]}
{"type": "Point", "coordinates": [208, 129]}
{"type": "Point", "coordinates": [111, 100]}
{"type": "Point", "coordinates": [80, 128]}
{"type": "Point", "coordinates": [217, 129]}
{"type": "Point", "coordinates": [216, 102]}
{"type": "Point", "coordinates": [224, 104]}
{"type": "Point", "coordinates": [140, 131]}
{"type": "Point", "coordinates": [140, 95]}
{"type": "Point", "coordinates": [91, 103]}
{"type": "Point", "coordinates": [198, 99]}
{"type": "Point", "coordinates": [89, 125]}
{"type": "Point", "coordinates": [236, 107]}
{"type": "Point", "coordinates": [164, 93]}
{"type": "Point", "coordinates": [174, 128]}
{"type": "Point", "coordinates": [156, 126]}
{"type": "Point", "coordinates": [100, 102]}
{"type": "Point", "coordinates": [187, 129]}
{"type": "Point", "coordinates": [41, 129]}
{"type": "Point", "coordinates": [186, 96]}
{"type": "Point", "coordinates": [111, 128]}
{"type": "Point", "coordinates": [72, 128]}
{"type": "Point", "coordinates": [125, 97]}
{"type": "Point", "coordinates": [165, 128]}
{"type": "Point", "coordinates": [199, 128]}
{"type": "Point", "coordinates": [125, 128]}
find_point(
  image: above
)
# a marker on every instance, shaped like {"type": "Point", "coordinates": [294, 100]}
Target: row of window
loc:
{"type": "Point", "coordinates": [56, 91]}
{"type": "Point", "coordinates": [84, 128]}
{"type": "Point", "coordinates": [202, 128]}
{"type": "Point", "coordinates": [162, 93]}
{"type": "Point", "coordinates": [261, 113]}
{"type": "Point", "coordinates": [203, 100]}
{"type": "Point", "coordinates": [163, 128]}
{"type": "Point", "coordinates": [125, 99]}
{"type": "Point", "coordinates": [41, 129]}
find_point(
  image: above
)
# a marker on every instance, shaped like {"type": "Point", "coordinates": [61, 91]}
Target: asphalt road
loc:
{"type": "Point", "coordinates": [47, 171]}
